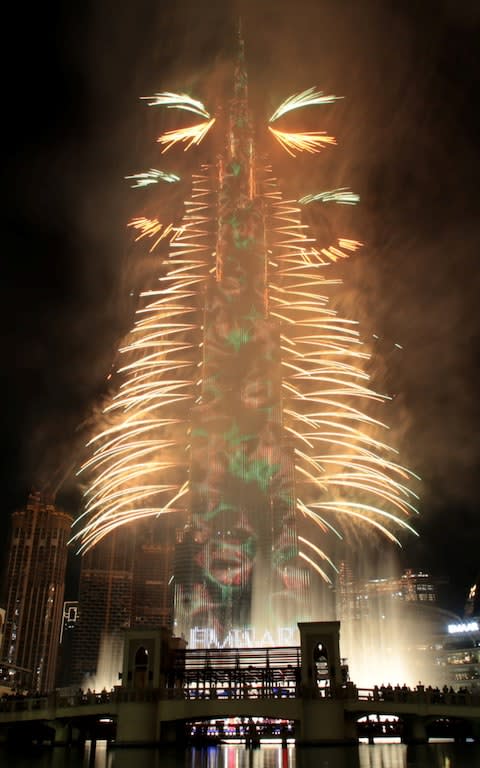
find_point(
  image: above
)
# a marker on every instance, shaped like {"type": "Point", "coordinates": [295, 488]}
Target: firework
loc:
{"type": "Point", "coordinates": [342, 195]}
{"type": "Point", "coordinates": [241, 382]}
{"type": "Point", "coordinates": [307, 141]}
{"type": "Point", "coordinates": [177, 101]}
{"type": "Point", "coordinates": [191, 135]}
{"type": "Point", "coordinates": [148, 416]}
{"type": "Point", "coordinates": [308, 98]}
{"type": "Point", "coordinates": [153, 176]}
{"type": "Point", "coordinates": [152, 227]}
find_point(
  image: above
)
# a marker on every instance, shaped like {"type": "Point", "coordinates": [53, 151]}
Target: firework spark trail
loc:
{"type": "Point", "coordinates": [341, 195]}
{"type": "Point", "coordinates": [142, 439]}
{"type": "Point", "coordinates": [151, 227]}
{"type": "Point", "coordinates": [320, 413]}
{"type": "Point", "coordinates": [176, 101]}
{"type": "Point", "coordinates": [308, 98]}
{"type": "Point", "coordinates": [191, 135]}
{"type": "Point", "coordinates": [305, 141]}
{"type": "Point", "coordinates": [152, 176]}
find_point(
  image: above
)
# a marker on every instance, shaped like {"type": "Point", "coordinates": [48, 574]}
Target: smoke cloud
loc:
{"type": "Point", "coordinates": [407, 135]}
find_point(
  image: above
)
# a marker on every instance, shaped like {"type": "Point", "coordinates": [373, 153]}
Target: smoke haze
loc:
{"type": "Point", "coordinates": [407, 143]}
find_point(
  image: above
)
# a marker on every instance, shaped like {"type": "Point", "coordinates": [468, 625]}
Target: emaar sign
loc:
{"type": "Point", "coordinates": [468, 626]}
{"type": "Point", "coordinates": [206, 637]}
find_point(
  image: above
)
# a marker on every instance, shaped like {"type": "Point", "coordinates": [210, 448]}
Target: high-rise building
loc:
{"type": "Point", "coordinates": [240, 396]}
{"type": "Point", "coordinates": [35, 583]}
{"type": "Point", "coordinates": [455, 651]}
{"type": "Point", "coordinates": [419, 587]}
{"type": "Point", "coordinates": [242, 522]}
{"type": "Point", "coordinates": [359, 598]}
{"type": "Point", "coordinates": [124, 584]}
{"type": "Point", "coordinates": [105, 603]}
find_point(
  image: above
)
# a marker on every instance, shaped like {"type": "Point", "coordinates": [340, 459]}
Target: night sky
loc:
{"type": "Point", "coordinates": [407, 133]}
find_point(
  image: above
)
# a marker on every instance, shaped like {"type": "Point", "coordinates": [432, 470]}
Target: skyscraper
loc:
{"type": "Point", "coordinates": [35, 583]}
{"type": "Point", "coordinates": [239, 409]}
{"type": "Point", "coordinates": [124, 584]}
{"type": "Point", "coordinates": [105, 604]}
{"type": "Point", "coordinates": [242, 524]}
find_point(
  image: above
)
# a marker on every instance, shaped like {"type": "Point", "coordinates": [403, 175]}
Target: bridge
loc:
{"type": "Point", "coordinates": [302, 691]}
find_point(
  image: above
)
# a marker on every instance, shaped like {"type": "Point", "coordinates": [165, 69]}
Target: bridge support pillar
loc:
{"type": "Point", "coordinates": [63, 733]}
{"type": "Point", "coordinates": [324, 721]}
{"type": "Point", "coordinates": [321, 663]}
{"type": "Point", "coordinates": [414, 731]}
{"type": "Point", "coordinates": [137, 723]}
{"type": "Point", "coordinates": [476, 730]}
{"type": "Point", "coordinates": [148, 656]}
{"type": "Point", "coordinates": [350, 729]}
{"type": "Point", "coordinates": [172, 732]}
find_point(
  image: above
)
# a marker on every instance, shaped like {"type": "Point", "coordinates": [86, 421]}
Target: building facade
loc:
{"type": "Point", "coordinates": [125, 583]}
{"type": "Point", "coordinates": [242, 503]}
{"type": "Point", "coordinates": [361, 598]}
{"type": "Point", "coordinates": [456, 653]}
{"type": "Point", "coordinates": [234, 405]}
{"type": "Point", "coordinates": [35, 584]}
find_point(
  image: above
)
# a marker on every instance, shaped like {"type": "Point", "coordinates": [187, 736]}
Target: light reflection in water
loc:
{"type": "Point", "coordinates": [442, 755]}
{"type": "Point", "coordinates": [382, 756]}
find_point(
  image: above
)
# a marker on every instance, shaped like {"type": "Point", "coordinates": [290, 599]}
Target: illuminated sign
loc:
{"type": "Point", "coordinates": [469, 626]}
{"type": "Point", "coordinates": [206, 637]}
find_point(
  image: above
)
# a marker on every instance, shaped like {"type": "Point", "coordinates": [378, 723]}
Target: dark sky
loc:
{"type": "Point", "coordinates": [407, 142]}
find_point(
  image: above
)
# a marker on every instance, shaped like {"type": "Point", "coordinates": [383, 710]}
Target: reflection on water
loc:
{"type": "Point", "coordinates": [447, 755]}
{"type": "Point", "coordinates": [383, 756]}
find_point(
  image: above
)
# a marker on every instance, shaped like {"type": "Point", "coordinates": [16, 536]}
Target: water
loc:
{"type": "Point", "coordinates": [439, 755]}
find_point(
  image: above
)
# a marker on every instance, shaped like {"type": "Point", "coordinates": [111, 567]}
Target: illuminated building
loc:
{"type": "Point", "coordinates": [456, 648]}
{"type": "Point", "coordinates": [348, 599]}
{"type": "Point", "coordinates": [105, 600]}
{"type": "Point", "coordinates": [35, 583]}
{"type": "Point", "coordinates": [358, 598]}
{"type": "Point", "coordinates": [242, 524]}
{"type": "Point", "coordinates": [240, 393]}
{"type": "Point", "coordinates": [124, 584]}
{"type": "Point", "coordinates": [419, 587]}
{"type": "Point", "coordinates": [457, 653]}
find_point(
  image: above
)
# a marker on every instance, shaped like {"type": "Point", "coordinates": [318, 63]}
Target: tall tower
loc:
{"type": "Point", "coordinates": [242, 531]}
{"type": "Point", "coordinates": [239, 411]}
{"type": "Point", "coordinates": [35, 584]}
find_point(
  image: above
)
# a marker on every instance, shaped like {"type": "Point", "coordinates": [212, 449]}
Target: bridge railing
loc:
{"type": "Point", "coordinates": [427, 695]}
{"type": "Point", "coordinates": [258, 684]}
{"type": "Point", "coordinates": [24, 703]}
{"type": "Point", "coordinates": [20, 703]}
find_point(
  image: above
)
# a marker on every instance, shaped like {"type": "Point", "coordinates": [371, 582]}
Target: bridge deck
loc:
{"type": "Point", "coordinates": [353, 700]}
{"type": "Point", "coordinates": [253, 682]}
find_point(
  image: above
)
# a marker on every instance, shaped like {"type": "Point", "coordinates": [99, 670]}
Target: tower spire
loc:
{"type": "Point", "coordinates": [241, 79]}
{"type": "Point", "coordinates": [240, 154]}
